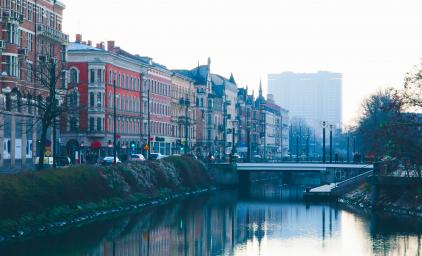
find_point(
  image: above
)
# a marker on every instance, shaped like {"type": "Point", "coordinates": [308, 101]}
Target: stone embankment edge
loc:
{"type": "Point", "coordinates": [26, 232]}
{"type": "Point", "coordinates": [389, 210]}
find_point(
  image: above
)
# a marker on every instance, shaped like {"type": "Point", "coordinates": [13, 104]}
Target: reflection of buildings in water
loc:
{"type": "Point", "coordinates": [284, 220]}
{"type": "Point", "coordinates": [197, 228]}
{"type": "Point", "coordinates": [219, 225]}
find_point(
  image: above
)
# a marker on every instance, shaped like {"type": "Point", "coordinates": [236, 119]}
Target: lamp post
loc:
{"type": "Point", "coordinates": [354, 146]}
{"type": "Point", "coordinates": [149, 118]}
{"type": "Point", "coordinates": [348, 148]}
{"type": "Point", "coordinates": [324, 125]}
{"type": "Point", "coordinates": [248, 135]}
{"type": "Point", "coordinates": [297, 149]}
{"type": "Point", "coordinates": [115, 123]}
{"type": "Point", "coordinates": [233, 141]}
{"type": "Point", "coordinates": [185, 102]}
{"type": "Point", "coordinates": [307, 146]}
{"type": "Point", "coordinates": [331, 142]}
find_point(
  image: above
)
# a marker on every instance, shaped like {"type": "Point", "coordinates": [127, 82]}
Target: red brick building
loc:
{"type": "Point", "coordinates": [92, 72]}
{"type": "Point", "coordinates": [30, 32]}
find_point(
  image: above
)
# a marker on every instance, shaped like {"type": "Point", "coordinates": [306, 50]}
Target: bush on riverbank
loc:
{"type": "Point", "coordinates": [405, 198]}
{"type": "Point", "coordinates": [36, 192]}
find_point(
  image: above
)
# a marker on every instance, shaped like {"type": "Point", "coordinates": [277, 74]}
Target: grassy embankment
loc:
{"type": "Point", "coordinates": [39, 198]}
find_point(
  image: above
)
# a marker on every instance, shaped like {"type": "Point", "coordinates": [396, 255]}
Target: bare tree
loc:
{"type": "Point", "coordinates": [49, 102]}
{"type": "Point", "coordinates": [412, 93]}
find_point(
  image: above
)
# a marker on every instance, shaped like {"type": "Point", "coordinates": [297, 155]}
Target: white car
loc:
{"type": "Point", "coordinates": [109, 160]}
{"type": "Point", "coordinates": [137, 157]}
{"type": "Point", "coordinates": [156, 156]}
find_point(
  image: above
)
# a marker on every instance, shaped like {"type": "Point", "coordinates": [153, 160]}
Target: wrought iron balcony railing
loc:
{"type": "Point", "coordinates": [51, 33]}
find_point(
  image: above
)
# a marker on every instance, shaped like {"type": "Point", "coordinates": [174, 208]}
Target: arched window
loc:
{"type": "Point", "coordinates": [74, 76]}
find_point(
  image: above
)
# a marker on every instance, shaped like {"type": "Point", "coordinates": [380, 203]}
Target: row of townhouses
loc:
{"type": "Point", "coordinates": [111, 91]}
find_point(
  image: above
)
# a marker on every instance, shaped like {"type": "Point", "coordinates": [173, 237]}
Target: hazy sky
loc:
{"type": "Point", "coordinates": [372, 42]}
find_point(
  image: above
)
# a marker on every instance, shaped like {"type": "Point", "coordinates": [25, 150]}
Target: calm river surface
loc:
{"type": "Point", "coordinates": [272, 220]}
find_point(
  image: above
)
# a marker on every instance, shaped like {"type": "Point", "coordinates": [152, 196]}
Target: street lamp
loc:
{"type": "Point", "coordinates": [332, 126]}
{"type": "Point", "coordinates": [348, 148]}
{"type": "Point", "coordinates": [233, 140]}
{"type": "Point", "coordinates": [185, 102]}
{"type": "Point", "coordinates": [115, 123]}
{"type": "Point", "coordinates": [148, 82]}
{"type": "Point", "coordinates": [324, 125]}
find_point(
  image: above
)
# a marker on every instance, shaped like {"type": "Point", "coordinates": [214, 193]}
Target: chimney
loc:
{"type": "Point", "coordinates": [89, 42]}
{"type": "Point", "coordinates": [78, 38]}
{"type": "Point", "coordinates": [98, 46]}
{"type": "Point", "coordinates": [110, 45]}
{"type": "Point", "coordinates": [102, 45]}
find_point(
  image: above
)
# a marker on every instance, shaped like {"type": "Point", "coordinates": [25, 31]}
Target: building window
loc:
{"type": "Point", "coordinates": [12, 65]}
{"type": "Point", "coordinates": [91, 99]}
{"type": "Point", "coordinates": [92, 76]}
{"type": "Point", "coordinates": [29, 41]}
{"type": "Point", "coordinates": [74, 76]}
{"type": "Point", "coordinates": [99, 75]}
{"type": "Point", "coordinates": [12, 30]}
{"type": "Point", "coordinates": [73, 124]}
{"type": "Point", "coordinates": [99, 124]}
{"type": "Point", "coordinates": [91, 124]}
{"type": "Point", "coordinates": [73, 99]}
{"type": "Point", "coordinates": [29, 72]}
{"type": "Point", "coordinates": [99, 100]}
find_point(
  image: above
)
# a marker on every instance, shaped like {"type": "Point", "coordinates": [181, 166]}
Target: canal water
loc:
{"type": "Point", "coordinates": [271, 220]}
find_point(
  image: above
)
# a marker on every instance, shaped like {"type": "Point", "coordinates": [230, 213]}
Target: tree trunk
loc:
{"type": "Point", "coordinates": [42, 146]}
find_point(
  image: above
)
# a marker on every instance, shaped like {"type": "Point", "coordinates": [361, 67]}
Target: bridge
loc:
{"type": "Point", "coordinates": [310, 174]}
{"type": "Point", "coordinates": [299, 167]}
{"type": "Point", "coordinates": [328, 177]}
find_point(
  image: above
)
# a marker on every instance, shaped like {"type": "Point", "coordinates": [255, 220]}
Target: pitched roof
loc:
{"type": "Point", "coordinates": [82, 47]}
{"type": "Point", "coordinates": [232, 79]}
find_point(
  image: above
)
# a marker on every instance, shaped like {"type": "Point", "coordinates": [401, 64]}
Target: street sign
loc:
{"type": "Point", "coordinates": [146, 147]}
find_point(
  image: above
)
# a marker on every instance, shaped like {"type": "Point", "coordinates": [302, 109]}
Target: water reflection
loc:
{"type": "Point", "coordinates": [273, 220]}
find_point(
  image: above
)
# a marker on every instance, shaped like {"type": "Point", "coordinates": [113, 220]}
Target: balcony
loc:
{"type": "Point", "coordinates": [96, 134]}
{"type": "Point", "coordinates": [96, 109]}
{"type": "Point", "coordinates": [51, 33]}
{"type": "Point", "coordinates": [97, 84]}
{"type": "Point", "coordinates": [9, 15]}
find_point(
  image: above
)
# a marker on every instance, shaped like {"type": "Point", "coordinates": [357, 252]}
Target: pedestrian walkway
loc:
{"type": "Point", "coordinates": [334, 190]}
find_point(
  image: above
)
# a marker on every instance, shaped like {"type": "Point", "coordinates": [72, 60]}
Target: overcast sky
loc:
{"type": "Point", "coordinates": [372, 42]}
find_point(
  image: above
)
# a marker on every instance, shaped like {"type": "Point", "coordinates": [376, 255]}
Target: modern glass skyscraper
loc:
{"type": "Point", "coordinates": [313, 97]}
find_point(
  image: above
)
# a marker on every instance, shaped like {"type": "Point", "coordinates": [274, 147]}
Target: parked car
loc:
{"type": "Point", "coordinates": [137, 158]}
{"type": "Point", "coordinates": [109, 160]}
{"type": "Point", "coordinates": [61, 161]}
{"type": "Point", "coordinates": [156, 156]}
{"type": "Point", "coordinates": [48, 161]}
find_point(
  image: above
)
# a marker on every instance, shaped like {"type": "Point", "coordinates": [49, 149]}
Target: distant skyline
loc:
{"type": "Point", "coordinates": [372, 43]}
{"type": "Point", "coordinates": [312, 97]}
